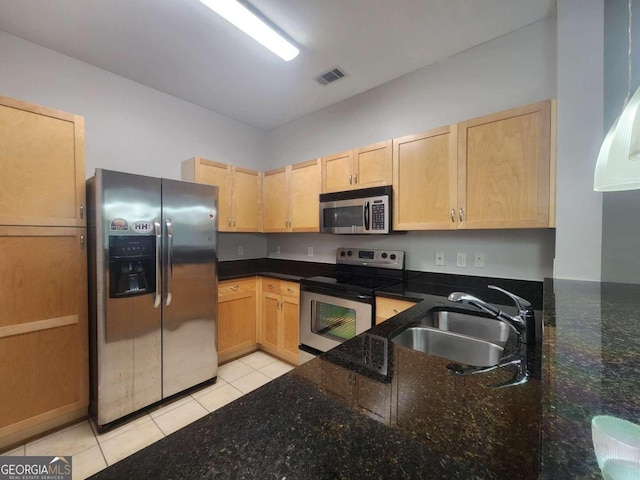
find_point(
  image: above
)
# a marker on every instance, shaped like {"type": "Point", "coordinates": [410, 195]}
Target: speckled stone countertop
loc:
{"type": "Point", "coordinates": [372, 409]}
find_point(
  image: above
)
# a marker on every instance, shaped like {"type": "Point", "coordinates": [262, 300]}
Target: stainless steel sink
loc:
{"type": "Point", "coordinates": [453, 346]}
{"type": "Point", "coordinates": [488, 329]}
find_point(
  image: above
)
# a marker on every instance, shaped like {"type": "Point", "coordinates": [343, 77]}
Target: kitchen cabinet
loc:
{"type": "Point", "coordinates": [363, 167]}
{"type": "Point", "coordinates": [425, 180]}
{"type": "Point", "coordinates": [290, 198]}
{"type": "Point", "coordinates": [504, 169]}
{"type": "Point", "coordinates": [42, 159]}
{"type": "Point", "coordinates": [280, 329]}
{"type": "Point", "coordinates": [237, 318]}
{"type": "Point", "coordinates": [495, 171]}
{"type": "Point", "coordinates": [389, 307]}
{"type": "Point", "coordinates": [239, 194]}
{"type": "Point", "coordinates": [44, 359]}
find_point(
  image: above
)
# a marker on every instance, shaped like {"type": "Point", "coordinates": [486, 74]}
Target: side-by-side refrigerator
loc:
{"type": "Point", "coordinates": [153, 301]}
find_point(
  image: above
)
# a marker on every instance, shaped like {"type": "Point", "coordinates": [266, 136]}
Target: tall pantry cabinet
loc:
{"type": "Point", "coordinates": [43, 281]}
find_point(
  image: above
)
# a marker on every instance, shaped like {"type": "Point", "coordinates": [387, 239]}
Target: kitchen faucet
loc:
{"type": "Point", "coordinates": [523, 323]}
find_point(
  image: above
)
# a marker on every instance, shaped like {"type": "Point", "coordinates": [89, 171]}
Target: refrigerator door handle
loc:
{"type": "Point", "coordinates": [158, 295]}
{"type": "Point", "coordinates": [169, 266]}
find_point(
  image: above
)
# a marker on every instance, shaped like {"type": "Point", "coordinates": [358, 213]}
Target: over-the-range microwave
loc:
{"type": "Point", "coordinates": [364, 211]}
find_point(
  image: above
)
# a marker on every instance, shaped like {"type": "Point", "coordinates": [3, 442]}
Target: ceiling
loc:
{"type": "Point", "coordinates": [182, 48]}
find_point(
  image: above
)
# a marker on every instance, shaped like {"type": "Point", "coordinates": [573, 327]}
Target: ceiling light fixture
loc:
{"type": "Point", "coordinates": [246, 20]}
{"type": "Point", "coordinates": [618, 165]}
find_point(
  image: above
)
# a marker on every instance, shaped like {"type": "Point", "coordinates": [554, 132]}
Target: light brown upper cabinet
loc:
{"type": "Point", "coordinates": [290, 198]}
{"type": "Point", "coordinates": [239, 192]}
{"type": "Point", "coordinates": [42, 161]}
{"type": "Point", "coordinates": [363, 167]}
{"type": "Point", "coordinates": [425, 180]}
{"type": "Point", "coordinates": [504, 169]}
{"type": "Point", "coordinates": [495, 171]}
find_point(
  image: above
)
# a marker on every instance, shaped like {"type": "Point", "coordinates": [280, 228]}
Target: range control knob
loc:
{"type": "Point", "coordinates": [342, 254]}
{"type": "Point", "coordinates": [384, 255]}
{"type": "Point", "coordinates": [393, 256]}
{"type": "Point", "coordinates": [349, 252]}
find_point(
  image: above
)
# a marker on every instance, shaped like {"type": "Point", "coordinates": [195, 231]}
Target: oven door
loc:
{"type": "Point", "coordinates": [327, 319]}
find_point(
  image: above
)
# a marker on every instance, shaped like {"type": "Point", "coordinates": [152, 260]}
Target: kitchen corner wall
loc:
{"type": "Point", "coordinates": [515, 69]}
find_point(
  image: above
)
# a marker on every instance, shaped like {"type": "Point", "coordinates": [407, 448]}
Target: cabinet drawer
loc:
{"type": "Point", "coordinates": [290, 289]}
{"type": "Point", "coordinates": [233, 287]}
{"type": "Point", "coordinates": [271, 285]}
{"type": "Point", "coordinates": [389, 307]}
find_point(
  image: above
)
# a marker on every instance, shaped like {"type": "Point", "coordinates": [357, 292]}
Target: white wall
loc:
{"type": "Point", "coordinates": [130, 127]}
{"type": "Point", "coordinates": [620, 231]}
{"type": "Point", "coordinates": [513, 70]}
{"type": "Point", "coordinates": [506, 252]}
{"type": "Point", "coordinates": [580, 94]}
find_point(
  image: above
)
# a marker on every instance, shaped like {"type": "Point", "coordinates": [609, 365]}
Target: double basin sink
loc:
{"type": "Point", "coordinates": [461, 337]}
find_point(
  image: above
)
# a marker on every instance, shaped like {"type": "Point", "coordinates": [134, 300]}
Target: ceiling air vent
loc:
{"type": "Point", "coordinates": [331, 76]}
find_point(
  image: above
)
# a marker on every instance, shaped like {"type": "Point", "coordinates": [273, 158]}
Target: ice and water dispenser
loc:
{"type": "Point", "coordinates": [132, 265]}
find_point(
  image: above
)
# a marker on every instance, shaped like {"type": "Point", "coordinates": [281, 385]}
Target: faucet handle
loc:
{"type": "Point", "coordinates": [521, 304]}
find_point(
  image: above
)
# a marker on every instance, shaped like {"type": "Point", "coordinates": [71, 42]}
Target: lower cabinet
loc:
{"type": "Point", "coordinates": [44, 359]}
{"type": "Point", "coordinates": [237, 317]}
{"type": "Point", "coordinates": [389, 307]}
{"type": "Point", "coordinates": [280, 329]}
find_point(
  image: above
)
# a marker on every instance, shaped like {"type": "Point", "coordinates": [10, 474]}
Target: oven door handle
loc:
{"type": "Point", "coordinates": [367, 215]}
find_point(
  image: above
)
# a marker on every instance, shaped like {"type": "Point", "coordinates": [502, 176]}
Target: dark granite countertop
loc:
{"type": "Point", "coordinates": [372, 409]}
{"type": "Point", "coordinates": [270, 267]}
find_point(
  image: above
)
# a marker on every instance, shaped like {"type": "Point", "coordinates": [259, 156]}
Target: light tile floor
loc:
{"type": "Point", "coordinates": [92, 452]}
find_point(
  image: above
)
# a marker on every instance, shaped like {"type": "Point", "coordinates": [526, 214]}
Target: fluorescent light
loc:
{"type": "Point", "coordinates": [243, 18]}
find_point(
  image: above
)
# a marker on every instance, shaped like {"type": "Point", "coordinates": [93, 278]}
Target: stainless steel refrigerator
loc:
{"type": "Point", "coordinates": [153, 301]}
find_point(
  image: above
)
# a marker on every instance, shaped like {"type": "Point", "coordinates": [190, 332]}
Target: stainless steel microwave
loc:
{"type": "Point", "coordinates": [365, 211]}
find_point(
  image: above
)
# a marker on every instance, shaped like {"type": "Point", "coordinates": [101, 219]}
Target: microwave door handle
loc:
{"type": "Point", "coordinates": [366, 216]}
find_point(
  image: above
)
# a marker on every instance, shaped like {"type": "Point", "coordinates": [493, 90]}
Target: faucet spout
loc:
{"type": "Point", "coordinates": [522, 323]}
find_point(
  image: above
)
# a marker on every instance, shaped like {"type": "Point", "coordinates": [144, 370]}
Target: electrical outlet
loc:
{"type": "Point", "coordinates": [478, 260]}
{"type": "Point", "coordinates": [278, 250]}
{"type": "Point", "coordinates": [439, 258]}
{"type": "Point", "coordinates": [461, 259]}
{"type": "Point", "coordinates": [310, 252]}
{"type": "Point", "coordinates": [240, 250]}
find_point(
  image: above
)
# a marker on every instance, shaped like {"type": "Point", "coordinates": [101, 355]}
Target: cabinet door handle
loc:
{"type": "Point", "coordinates": [81, 211]}
{"type": "Point", "coordinates": [355, 178]}
{"type": "Point", "coordinates": [82, 241]}
{"type": "Point", "coordinates": [234, 223]}
{"type": "Point", "coordinates": [461, 214]}
{"type": "Point", "coordinates": [453, 215]}
{"type": "Point", "coordinates": [350, 179]}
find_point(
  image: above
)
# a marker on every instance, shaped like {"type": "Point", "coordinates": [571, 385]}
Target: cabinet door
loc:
{"type": "Point", "coordinates": [44, 364]}
{"type": "Point", "coordinates": [247, 214]}
{"type": "Point", "coordinates": [275, 195]}
{"type": "Point", "coordinates": [372, 165]}
{"type": "Point", "coordinates": [504, 168]}
{"type": "Point", "coordinates": [270, 315]}
{"type": "Point", "coordinates": [337, 173]}
{"type": "Point", "coordinates": [212, 173]}
{"type": "Point", "coordinates": [305, 190]}
{"type": "Point", "coordinates": [42, 161]}
{"type": "Point", "coordinates": [424, 180]}
{"type": "Point", "coordinates": [290, 321]}
{"type": "Point", "coordinates": [236, 318]}
{"type": "Point", "coordinates": [390, 307]}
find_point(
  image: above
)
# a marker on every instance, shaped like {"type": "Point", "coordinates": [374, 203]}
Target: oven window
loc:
{"type": "Point", "coordinates": [343, 217]}
{"type": "Point", "coordinates": [333, 321]}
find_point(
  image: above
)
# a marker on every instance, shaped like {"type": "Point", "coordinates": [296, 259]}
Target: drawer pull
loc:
{"type": "Point", "coordinates": [271, 285]}
{"type": "Point", "coordinates": [234, 287]}
{"type": "Point", "coordinates": [395, 310]}
{"type": "Point", "coordinates": [289, 289]}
